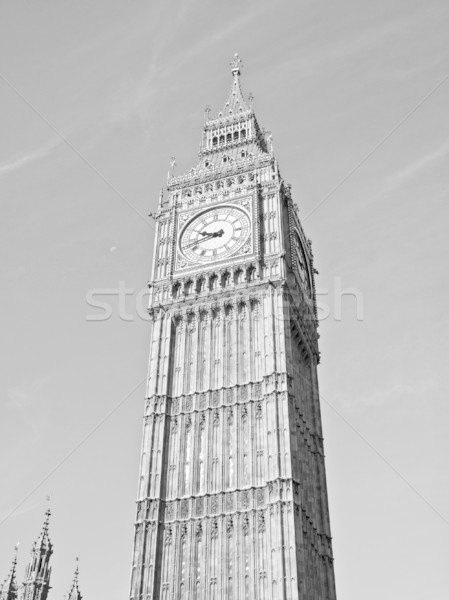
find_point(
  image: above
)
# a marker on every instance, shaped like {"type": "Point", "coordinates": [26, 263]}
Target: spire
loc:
{"type": "Point", "coordinates": [232, 139]}
{"type": "Point", "coordinates": [43, 543]}
{"type": "Point", "coordinates": [44, 539]}
{"type": "Point", "coordinates": [37, 575]}
{"type": "Point", "coordinates": [235, 104]}
{"type": "Point", "coordinates": [9, 588]}
{"type": "Point", "coordinates": [75, 593]}
{"type": "Point", "coordinates": [234, 131]}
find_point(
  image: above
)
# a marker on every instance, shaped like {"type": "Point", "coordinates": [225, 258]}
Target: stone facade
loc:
{"type": "Point", "coordinates": [232, 500]}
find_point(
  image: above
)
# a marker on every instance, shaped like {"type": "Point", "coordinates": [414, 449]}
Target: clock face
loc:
{"type": "Point", "coordinates": [215, 234]}
{"type": "Point", "coordinates": [302, 263]}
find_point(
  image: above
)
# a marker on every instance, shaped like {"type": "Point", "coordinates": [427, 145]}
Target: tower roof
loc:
{"type": "Point", "coordinates": [75, 593]}
{"type": "Point", "coordinates": [235, 104]}
{"type": "Point", "coordinates": [9, 588]}
{"type": "Point", "coordinates": [232, 139]}
{"type": "Point", "coordinates": [38, 569]}
{"type": "Point", "coordinates": [43, 541]}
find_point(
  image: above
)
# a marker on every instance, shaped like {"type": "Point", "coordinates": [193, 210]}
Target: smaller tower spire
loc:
{"type": "Point", "coordinates": [235, 104]}
{"type": "Point", "coordinates": [46, 522]}
{"type": "Point", "coordinates": [9, 588]}
{"type": "Point", "coordinates": [172, 167]}
{"type": "Point", "coordinates": [75, 593]}
{"type": "Point", "coordinates": [37, 575]}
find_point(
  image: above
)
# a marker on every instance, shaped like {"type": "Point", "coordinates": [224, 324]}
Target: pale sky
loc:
{"type": "Point", "coordinates": [96, 98]}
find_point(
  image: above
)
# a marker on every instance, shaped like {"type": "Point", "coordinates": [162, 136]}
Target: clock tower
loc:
{"type": "Point", "coordinates": [232, 501]}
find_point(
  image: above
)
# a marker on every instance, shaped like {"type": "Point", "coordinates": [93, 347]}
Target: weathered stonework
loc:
{"type": "Point", "coordinates": [232, 500]}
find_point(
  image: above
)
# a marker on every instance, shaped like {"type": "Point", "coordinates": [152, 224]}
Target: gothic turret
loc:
{"type": "Point", "coordinates": [75, 593]}
{"type": "Point", "coordinates": [37, 575]}
{"type": "Point", "coordinates": [9, 588]}
{"type": "Point", "coordinates": [234, 133]}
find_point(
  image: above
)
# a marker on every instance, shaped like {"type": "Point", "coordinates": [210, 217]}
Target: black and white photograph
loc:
{"type": "Point", "coordinates": [224, 239]}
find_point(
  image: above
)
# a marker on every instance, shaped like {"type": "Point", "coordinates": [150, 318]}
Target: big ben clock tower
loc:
{"type": "Point", "coordinates": [232, 501]}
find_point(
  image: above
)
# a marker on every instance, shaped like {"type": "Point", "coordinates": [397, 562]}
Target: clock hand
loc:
{"type": "Point", "coordinates": [196, 242]}
{"type": "Point", "coordinates": [206, 237]}
{"type": "Point", "coordinates": [213, 233]}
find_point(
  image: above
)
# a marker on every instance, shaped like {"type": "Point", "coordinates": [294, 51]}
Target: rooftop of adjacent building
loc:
{"type": "Point", "coordinates": [74, 593]}
{"type": "Point", "coordinates": [38, 570]}
{"type": "Point", "coordinates": [9, 587]}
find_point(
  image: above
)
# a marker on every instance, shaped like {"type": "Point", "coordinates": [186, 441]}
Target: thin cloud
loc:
{"type": "Point", "coordinates": [342, 48]}
{"type": "Point", "coordinates": [135, 98]}
{"type": "Point", "coordinates": [415, 168]}
{"type": "Point", "coordinates": [397, 392]}
{"type": "Point", "coordinates": [26, 393]}
{"type": "Point", "coordinates": [22, 161]}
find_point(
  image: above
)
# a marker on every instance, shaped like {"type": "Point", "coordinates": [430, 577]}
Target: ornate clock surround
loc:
{"type": "Point", "coordinates": [246, 203]}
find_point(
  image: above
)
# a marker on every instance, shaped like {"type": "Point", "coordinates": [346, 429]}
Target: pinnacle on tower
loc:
{"type": "Point", "coordinates": [9, 588]}
{"type": "Point", "coordinates": [75, 593]}
{"type": "Point", "coordinates": [43, 538]}
{"type": "Point", "coordinates": [234, 131]}
{"type": "Point", "coordinates": [236, 63]}
{"type": "Point", "coordinates": [235, 104]}
{"type": "Point", "coordinates": [37, 575]}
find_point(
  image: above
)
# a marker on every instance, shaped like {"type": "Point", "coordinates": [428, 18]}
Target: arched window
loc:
{"type": "Point", "coordinates": [229, 137]}
{"type": "Point", "coordinates": [236, 135]}
{"type": "Point", "coordinates": [200, 285]}
{"type": "Point", "coordinates": [226, 279]}
{"type": "Point", "coordinates": [213, 282]}
{"type": "Point", "coordinates": [243, 134]}
{"type": "Point", "coordinates": [214, 141]}
{"type": "Point", "coordinates": [222, 139]}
